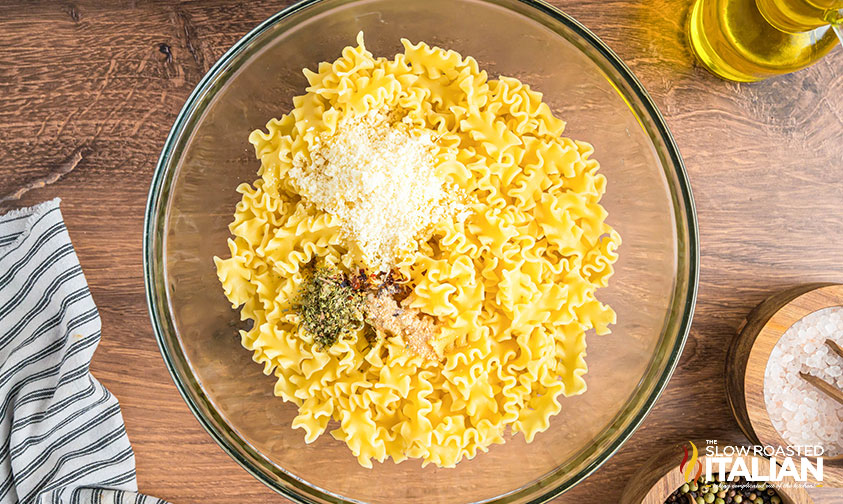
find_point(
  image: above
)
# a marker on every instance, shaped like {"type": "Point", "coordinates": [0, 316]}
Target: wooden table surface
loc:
{"type": "Point", "coordinates": [88, 92]}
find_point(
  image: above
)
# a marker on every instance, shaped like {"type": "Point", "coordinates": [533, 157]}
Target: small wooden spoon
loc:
{"type": "Point", "coordinates": [834, 347]}
{"type": "Point", "coordinates": [824, 387]}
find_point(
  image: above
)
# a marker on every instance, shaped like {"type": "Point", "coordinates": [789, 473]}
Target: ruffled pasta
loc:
{"type": "Point", "coordinates": [512, 286]}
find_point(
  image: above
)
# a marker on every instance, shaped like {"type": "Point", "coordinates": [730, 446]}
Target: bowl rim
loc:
{"type": "Point", "coordinates": [551, 491]}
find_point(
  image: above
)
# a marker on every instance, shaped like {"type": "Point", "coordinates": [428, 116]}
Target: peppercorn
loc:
{"type": "Point", "coordinates": [712, 491]}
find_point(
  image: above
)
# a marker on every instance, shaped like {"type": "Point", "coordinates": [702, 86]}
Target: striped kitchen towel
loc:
{"type": "Point", "coordinates": [63, 437]}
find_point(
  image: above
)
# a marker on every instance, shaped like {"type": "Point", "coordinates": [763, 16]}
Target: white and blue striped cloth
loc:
{"type": "Point", "coordinates": [63, 437]}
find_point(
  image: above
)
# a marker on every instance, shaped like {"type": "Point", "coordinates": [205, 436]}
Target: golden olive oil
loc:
{"type": "Point", "coordinates": [735, 40]}
{"type": "Point", "coordinates": [796, 16]}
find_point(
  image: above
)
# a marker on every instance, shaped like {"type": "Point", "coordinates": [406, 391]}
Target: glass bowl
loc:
{"type": "Point", "coordinates": [207, 155]}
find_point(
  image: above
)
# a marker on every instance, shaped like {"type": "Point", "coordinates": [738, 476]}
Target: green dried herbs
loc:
{"type": "Point", "coordinates": [332, 303]}
{"type": "Point", "coordinates": [329, 306]}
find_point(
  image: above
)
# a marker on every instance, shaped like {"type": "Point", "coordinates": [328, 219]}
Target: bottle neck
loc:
{"type": "Point", "coordinates": [796, 16]}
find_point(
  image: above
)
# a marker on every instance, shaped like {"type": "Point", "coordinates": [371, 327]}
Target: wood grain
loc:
{"type": "Point", "coordinates": [107, 80]}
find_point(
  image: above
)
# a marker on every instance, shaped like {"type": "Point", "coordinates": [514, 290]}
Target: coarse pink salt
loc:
{"type": "Point", "coordinates": [800, 413]}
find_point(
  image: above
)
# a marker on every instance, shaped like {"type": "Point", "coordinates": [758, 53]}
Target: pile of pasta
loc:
{"type": "Point", "coordinates": [512, 286]}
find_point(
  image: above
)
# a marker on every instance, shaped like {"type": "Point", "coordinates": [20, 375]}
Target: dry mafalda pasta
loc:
{"type": "Point", "coordinates": [499, 255]}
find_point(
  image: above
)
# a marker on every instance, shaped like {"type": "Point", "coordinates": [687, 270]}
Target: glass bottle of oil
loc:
{"type": "Point", "coordinates": [796, 16]}
{"type": "Point", "coordinates": [750, 40]}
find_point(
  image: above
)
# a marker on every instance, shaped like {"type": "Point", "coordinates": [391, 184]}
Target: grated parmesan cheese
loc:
{"type": "Point", "coordinates": [379, 179]}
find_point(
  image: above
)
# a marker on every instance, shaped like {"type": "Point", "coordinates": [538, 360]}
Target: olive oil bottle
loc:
{"type": "Point", "coordinates": [750, 40]}
{"type": "Point", "coordinates": [796, 16]}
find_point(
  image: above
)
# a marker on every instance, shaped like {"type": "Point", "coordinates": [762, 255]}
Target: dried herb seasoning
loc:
{"type": "Point", "coordinates": [328, 305]}
{"type": "Point", "coordinates": [332, 303]}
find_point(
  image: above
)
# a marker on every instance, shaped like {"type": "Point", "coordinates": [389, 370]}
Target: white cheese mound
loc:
{"type": "Point", "coordinates": [379, 179]}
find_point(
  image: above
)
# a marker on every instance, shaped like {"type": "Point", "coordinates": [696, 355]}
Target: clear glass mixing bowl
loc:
{"type": "Point", "coordinates": [207, 155]}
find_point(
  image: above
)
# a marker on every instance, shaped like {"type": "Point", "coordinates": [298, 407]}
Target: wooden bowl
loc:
{"type": "Point", "coordinates": [660, 476]}
{"type": "Point", "coordinates": [746, 361]}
